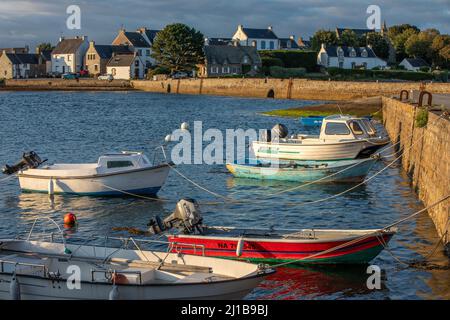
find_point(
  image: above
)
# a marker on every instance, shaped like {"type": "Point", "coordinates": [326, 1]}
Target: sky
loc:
{"type": "Point", "coordinates": [30, 22]}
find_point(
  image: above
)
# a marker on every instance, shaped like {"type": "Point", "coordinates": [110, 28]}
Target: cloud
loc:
{"type": "Point", "coordinates": [30, 22]}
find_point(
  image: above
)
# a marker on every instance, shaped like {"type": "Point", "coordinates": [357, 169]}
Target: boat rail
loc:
{"type": "Point", "coordinates": [178, 247]}
{"type": "Point", "coordinates": [22, 264]}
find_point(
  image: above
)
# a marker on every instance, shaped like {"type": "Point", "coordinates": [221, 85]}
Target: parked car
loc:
{"type": "Point", "coordinates": [70, 76]}
{"type": "Point", "coordinates": [84, 73]}
{"type": "Point", "coordinates": [179, 75]}
{"type": "Point", "coordinates": [108, 77]}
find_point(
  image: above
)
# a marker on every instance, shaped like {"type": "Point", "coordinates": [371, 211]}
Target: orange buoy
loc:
{"type": "Point", "coordinates": [70, 219]}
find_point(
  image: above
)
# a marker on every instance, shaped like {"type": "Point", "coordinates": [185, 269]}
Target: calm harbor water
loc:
{"type": "Point", "coordinates": [78, 127]}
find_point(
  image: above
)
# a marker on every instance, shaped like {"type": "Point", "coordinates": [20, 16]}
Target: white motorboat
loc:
{"type": "Point", "coordinates": [341, 137]}
{"type": "Point", "coordinates": [50, 270]}
{"type": "Point", "coordinates": [114, 174]}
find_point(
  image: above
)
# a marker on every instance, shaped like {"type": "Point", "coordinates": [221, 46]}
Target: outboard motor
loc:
{"type": "Point", "coordinates": [30, 160]}
{"type": "Point", "coordinates": [265, 135]}
{"type": "Point", "coordinates": [279, 131]}
{"type": "Point", "coordinates": [186, 217]}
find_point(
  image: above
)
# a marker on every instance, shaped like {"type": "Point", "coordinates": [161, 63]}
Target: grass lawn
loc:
{"type": "Point", "coordinates": [360, 107]}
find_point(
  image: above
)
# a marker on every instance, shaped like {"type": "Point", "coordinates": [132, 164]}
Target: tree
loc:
{"type": "Point", "coordinates": [379, 44]}
{"type": "Point", "coordinates": [323, 36]}
{"type": "Point", "coordinates": [441, 50]}
{"type": "Point", "coordinates": [348, 38]}
{"type": "Point", "coordinates": [396, 30]}
{"type": "Point", "coordinates": [399, 41]}
{"type": "Point", "coordinates": [45, 46]}
{"type": "Point", "coordinates": [178, 47]}
{"type": "Point", "coordinates": [419, 45]}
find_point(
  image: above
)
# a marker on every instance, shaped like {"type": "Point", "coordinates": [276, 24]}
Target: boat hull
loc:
{"type": "Point", "coordinates": [318, 152]}
{"type": "Point", "coordinates": [147, 181]}
{"type": "Point", "coordinates": [277, 251]}
{"type": "Point", "coordinates": [341, 171]}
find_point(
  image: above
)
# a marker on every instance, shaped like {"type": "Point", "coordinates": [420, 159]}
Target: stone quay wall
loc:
{"type": "Point", "coordinates": [284, 88]}
{"type": "Point", "coordinates": [426, 157]}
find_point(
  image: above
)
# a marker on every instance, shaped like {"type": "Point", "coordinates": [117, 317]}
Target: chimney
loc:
{"type": "Point", "coordinates": [91, 43]}
{"type": "Point", "coordinates": [292, 37]}
{"type": "Point", "coordinates": [61, 38]}
{"type": "Point", "coordinates": [369, 46]}
{"type": "Point", "coordinates": [84, 38]}
{"type": "Point", "coordinates": [270, 28]}
{"type": "Point", "coordinates": [323, 46]}
{"type": "Point", "coordinates": [206, 41]}
{"type": "Point", "coordinates": [27, 49]}
{"type": "Point", "coordinates": [38, 51]}
{"type": "Point", "coordinates": [142, 30]}
{"type": "Point", "coordinates": [240, 27]}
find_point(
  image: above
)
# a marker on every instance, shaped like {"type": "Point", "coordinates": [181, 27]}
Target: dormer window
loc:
{"type": "Point", "coordinates": [364, 53]}
{"type": "Point", "coordinates": [245, 60]}
{"type": "Point", "coordinates": [340, 52]}
{"type": "Point", "coordinates": [353, 53]}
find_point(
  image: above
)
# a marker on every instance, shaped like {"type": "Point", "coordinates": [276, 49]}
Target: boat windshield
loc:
{"type": "Point", "coordinates": [369, 127]}
{"type": "Point", "coordinates": [356, 128]}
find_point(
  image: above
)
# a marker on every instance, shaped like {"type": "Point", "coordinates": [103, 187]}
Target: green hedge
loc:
{"type": "Point", "coordinates": [381, 74]}
{"type": "Point", "coordinates": [293, 58]}
{"type": "Point", "coordinates": [280, 72]}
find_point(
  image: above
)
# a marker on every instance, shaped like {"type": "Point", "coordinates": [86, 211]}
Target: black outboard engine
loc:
{"type": "Point", "coordinates": [30, 160]}
{"type": "Point", "coordinates": [186, 217]}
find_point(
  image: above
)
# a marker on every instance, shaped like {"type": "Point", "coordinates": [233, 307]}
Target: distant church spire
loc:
{"type": "Point", "coordinates": [384, 28]}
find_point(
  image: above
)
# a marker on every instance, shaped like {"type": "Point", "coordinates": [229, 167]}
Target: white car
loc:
{"type": "Point", "coordinates": [108, 77]}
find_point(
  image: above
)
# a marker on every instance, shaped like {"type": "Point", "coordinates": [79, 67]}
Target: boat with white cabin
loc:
{"type": "Point", "coordinates": [114, 174]}
{"type": "Point", "coordinates": [342, 137]}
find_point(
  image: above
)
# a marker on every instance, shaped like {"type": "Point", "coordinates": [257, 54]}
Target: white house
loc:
{"type": "Point", "coordinates": [68, 56]}
{"type": "Point", "coordinates": [139, 41]}
{"type": "Point", "coordinates": [126, 66]}
{"type": "Point", "coordinates": [349, 57]}
{"type": "Point", "coordinates": [414, 64]}
{"type": "Point", "coordinates": [262, 39]}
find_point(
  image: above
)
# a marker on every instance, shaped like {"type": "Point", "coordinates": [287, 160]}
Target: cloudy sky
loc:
{"type": "Point", "coordinates": [34, 21]}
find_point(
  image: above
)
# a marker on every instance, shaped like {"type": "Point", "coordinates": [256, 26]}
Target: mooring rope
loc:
{"type": "Point", "coordinates": [358, 239]}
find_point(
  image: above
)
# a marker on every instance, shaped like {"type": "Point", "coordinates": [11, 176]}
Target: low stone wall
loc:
{"type": "Point", "coordinates": [61, 84]}
{"type": "Point", "coordinates": [426, 157]}
{"type": "Point", "coordinates": [284, 88]}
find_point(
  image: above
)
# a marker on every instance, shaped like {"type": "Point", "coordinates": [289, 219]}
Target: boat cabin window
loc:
{"type": "Point", "coordinates": [337, 128]}
{"type": "Point", "coordinates": [118, 164]}
{"type": "Point", "coordinates": [356, 128]}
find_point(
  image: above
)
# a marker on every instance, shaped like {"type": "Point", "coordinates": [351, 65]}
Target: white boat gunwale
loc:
{"type": "Point", "coordinates": [100, 175]}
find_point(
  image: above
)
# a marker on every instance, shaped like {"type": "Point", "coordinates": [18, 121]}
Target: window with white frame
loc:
{"type": "Point", "coordinates": [214, 69]}
{"type": "Point", "coordinates": [226, 69]}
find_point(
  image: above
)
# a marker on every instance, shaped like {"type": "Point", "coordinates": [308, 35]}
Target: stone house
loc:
{"type": "Point", "coordinates": [414, 64]}
{"type": "Point", "coordinates": [97, 56]}
{"type": "Point", "coordinates": [21, 65]}
{"type": "Point", "coordinates": [223, 60]}
{"type": "Point", "coordinates": [349, 57]}
{"type": "Point", "coordinates": [261, 39]}
{"type": "Point", "coordinates": [68, 55]}
{"type": "Point", "coordinates": [139, 41]}
{"type": "Point", "coordinates": [126, 66]}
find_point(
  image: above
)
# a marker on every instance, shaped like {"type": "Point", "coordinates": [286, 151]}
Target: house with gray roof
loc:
{"type": "Point", "coordinates": [228, 60]}
{"type": "Point", "coordinates": [261, 39]}
{"type": "Point", "coordinates": [126, 66]}
{"type": "Point", "coordinates": [139, 41]}
{"type": "Point", "coordinates": [21, 65]}
{"type": "Point", "coordinates": [289, 43]}
{"type": "Point", "coordinates": [97, 56]}
{"type": "Point", "coordinates": [68, 55]}
{"type": "Point", "coordinates": [414, 64]}
{"type": "Point", "coordinates": [349, 57]}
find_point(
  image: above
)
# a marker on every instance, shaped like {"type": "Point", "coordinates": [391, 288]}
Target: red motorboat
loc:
{"type": "Point", "coordinates": [318, 246]}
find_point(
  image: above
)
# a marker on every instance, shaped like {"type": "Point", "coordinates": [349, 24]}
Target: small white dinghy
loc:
{"type": "Point", "coordinates": [115, 174]}
{"type": "Point", "coordinates": [49, 270]}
